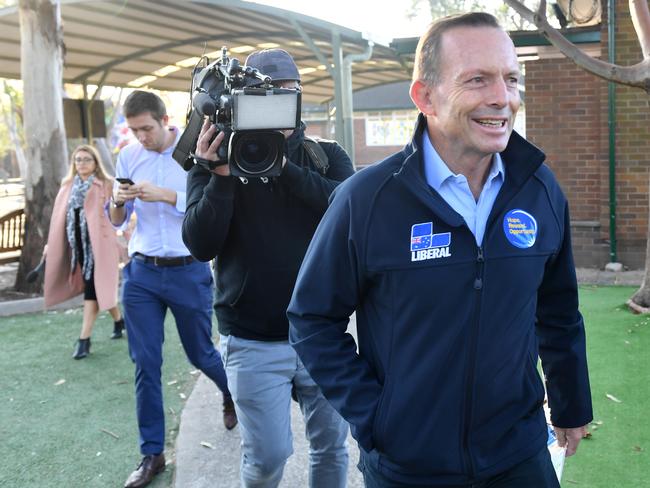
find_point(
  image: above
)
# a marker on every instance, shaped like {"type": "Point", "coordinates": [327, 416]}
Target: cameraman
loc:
{"type": "Point", "coordinates": [259, 231]}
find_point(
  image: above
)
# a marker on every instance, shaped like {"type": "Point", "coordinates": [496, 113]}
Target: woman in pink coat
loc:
{"type": "Point", "coordinates": [82, 249]}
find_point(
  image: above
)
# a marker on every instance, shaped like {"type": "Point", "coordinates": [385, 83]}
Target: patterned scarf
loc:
{"type": "Point", "coordinates": [76, 201]}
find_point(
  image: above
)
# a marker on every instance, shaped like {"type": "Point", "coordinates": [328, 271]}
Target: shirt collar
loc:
{"type": "Point", "coordinates": [437, 172]}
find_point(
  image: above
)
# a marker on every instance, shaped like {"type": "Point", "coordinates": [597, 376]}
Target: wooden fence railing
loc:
{"type": "Point", "coordinates": [12, 233]}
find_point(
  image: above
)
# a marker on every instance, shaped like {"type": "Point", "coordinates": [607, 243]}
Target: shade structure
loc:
{"type": "Point", "coordinates": [155, 44]}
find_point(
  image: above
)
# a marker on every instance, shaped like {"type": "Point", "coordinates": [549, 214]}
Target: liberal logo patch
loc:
{"type": "Point", "coordinates": [427, 245]}
{"type": "Point", "coordinates": [520, 228]}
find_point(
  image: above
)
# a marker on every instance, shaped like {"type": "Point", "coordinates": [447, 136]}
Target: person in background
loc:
{"type": "Point", "coordinates": [259, 232]}
{"type": "Point", "coordinates": [82, 251]}
{"type": "Point", "coordinates": [160, 275]}
{"type": "Point", "coordinates": [456, 255]}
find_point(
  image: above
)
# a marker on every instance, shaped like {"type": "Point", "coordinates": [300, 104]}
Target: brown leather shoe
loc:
{"type": "Point", "coordinates": [229, 414]}
{"type": "Point", "coordinates": [149, 467]}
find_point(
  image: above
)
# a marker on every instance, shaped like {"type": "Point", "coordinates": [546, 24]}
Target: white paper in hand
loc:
{"type": "Point", "coordinates": [557, 453]}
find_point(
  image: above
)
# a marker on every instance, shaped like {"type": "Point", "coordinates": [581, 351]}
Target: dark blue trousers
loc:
{"type": "Point", "coordinates": [148, 292]}
{"type": "Point", "coordinates": [535, 472]}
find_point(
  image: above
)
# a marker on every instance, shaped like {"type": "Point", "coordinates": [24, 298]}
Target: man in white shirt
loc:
{"type": "Point", "coordinates": [160, 275]}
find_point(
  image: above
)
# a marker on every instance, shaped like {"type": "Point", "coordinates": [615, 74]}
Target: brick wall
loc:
{"type": "Point", "coordinates": [317, 128]}
{"type": "Point", "coordinates": [364, 155]}
{"type": "Point", "coordinates": [566, 115]}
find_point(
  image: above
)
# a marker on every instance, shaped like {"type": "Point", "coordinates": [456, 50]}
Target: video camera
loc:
{"type": "Point", "coordinates": [243, 104]}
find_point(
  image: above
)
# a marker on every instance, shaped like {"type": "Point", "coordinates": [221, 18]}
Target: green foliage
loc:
{"type": "Point", "coordinates": [441, 8]}
{"type": "Point", "coordinates": [508, 18]}
{"type": "Point", "coordinates": [11, 99]}
{"type": "Point", "coordinates": [5, 141]}
{"type": "Point", "coordinates": [59, 434]}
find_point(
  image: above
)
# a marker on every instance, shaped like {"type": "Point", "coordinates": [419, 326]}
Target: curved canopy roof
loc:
{"type": "Point", "coordinates": [155, 44]}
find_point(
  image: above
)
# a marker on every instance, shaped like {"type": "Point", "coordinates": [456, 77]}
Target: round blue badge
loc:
{"type": "Point", "coordinates": [520, 228]}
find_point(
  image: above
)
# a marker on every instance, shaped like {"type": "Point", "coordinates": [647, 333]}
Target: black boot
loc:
{"type": "Point", "coordinates": [82, 349]}
{"type": "Point", "coordinates": [118, 328]}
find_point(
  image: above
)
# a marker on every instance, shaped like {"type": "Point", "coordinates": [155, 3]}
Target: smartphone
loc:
{"type": "Point", "coordinates": [128, 181]}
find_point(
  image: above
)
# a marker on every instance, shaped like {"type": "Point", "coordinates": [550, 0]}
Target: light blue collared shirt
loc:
{"type": "Point", "coordinates": [158, 227]}
{"type": "Point", "coordinates": [455, 190]}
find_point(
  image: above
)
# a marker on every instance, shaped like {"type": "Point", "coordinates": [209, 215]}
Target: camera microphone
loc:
{"type": "Point", "coordinates": [204, 104]}
{"type": "Point", "coordinates": [233, 67]}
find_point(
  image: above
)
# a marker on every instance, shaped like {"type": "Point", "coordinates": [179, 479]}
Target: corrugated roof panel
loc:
{"type": "Point", "coordinates": [139, 37]}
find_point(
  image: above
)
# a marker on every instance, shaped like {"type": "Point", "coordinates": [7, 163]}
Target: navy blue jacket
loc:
{"type": "Point", "coordinates": [444, 388]}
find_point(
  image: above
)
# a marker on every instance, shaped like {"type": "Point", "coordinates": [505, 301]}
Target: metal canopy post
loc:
{"type": "Point", "coordinates": [341, 71]}
{"type": "Point", "coordinates": [86, 116]}
{"type": "Point", "coordinates": [348, 109]}
{"type": "Point", "coordinates": [312, 45]}
{"type": "Point", "coordinates": [328, 126]}
{"type": "Point", "coordinates": [87, 106]}
{"type": "Point", "coordinates": [337, 57]}
{"type": "Point", "coordinates": [335, 69]}
{"type": "Point", "coordinates": [611, 122]}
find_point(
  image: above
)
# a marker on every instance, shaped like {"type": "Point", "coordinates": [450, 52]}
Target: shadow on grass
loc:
{"type": "Point", "coordinates": [72, 423]}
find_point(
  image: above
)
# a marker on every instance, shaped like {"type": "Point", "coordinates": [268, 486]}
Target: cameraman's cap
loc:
{"type": "Point", "coordinates": [276, 63]}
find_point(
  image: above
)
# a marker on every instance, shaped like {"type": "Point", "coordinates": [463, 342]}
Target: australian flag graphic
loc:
{"type": "Point", "coordinates": [422, 237]}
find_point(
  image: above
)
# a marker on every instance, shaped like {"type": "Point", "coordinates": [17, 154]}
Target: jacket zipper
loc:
{"type": "Point", "coordinates": [471, 362]}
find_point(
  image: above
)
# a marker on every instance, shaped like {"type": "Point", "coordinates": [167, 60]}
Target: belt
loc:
{"type": "Point", "coordinates": [164, 262]}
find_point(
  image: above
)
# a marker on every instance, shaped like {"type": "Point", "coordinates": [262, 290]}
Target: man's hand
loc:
{"type": "Point", "coordinates": [148, 192]}
{"type": "Point", "coordinates": [570, 438]}
{"type": "Point", "coordinates": [207, 150]}
{"type": "Point", "coordinates": [124, 192]}
{"type": "Point", "coordinates": [121, 194]}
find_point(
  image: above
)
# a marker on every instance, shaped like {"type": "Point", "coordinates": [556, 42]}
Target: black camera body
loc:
{"type": "Point", "coordinates": [252, 113]}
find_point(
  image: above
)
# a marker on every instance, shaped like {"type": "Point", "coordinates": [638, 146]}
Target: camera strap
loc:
{"type": "Point", "coordinates": [186, 144]}
{"type": "Point", "coordinates": [316, 154]}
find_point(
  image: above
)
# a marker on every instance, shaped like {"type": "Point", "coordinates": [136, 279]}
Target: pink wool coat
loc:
{"type": "Point", "coordinates": [60, 284]}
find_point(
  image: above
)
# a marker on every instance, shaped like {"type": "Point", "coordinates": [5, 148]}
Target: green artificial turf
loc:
{"type": "Point", "coordinates": [67, 423]}
{"type": "Point", "coordinates": [55, 434]}
{"type": "Point", "coordinates": [617, 455]}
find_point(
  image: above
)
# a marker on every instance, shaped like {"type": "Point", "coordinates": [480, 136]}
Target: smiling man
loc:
{"type": "Point", "coordinates": [455, 254]}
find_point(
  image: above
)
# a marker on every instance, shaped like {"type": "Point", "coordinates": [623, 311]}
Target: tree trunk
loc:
{"type": "Point", "coordinates": [41, 57]}
{"type": "Point", "coordinates": [640, 301]}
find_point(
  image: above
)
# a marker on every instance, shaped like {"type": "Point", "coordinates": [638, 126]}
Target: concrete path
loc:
{"type": "Point", "coordinates": [33, 305]}
{"type": "Point", "coordinates": [590, 276]}
{"type": "Point", "coordinates": [207, 455]}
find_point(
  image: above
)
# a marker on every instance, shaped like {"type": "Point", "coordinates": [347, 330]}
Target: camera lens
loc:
{"type": "Point", "coordinates": [256, 153]}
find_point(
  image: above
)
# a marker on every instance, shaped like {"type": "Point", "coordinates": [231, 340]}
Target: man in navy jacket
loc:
{"type": "Point", "coordinates": [455, 254]}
